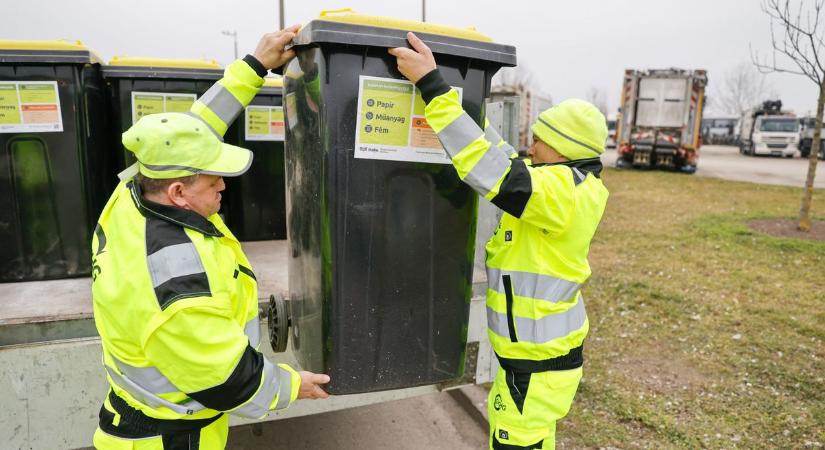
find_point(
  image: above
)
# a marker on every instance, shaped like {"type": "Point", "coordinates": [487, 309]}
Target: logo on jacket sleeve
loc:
{"type": "Point", "coordinates": [508, 236]}
{"type": "Point", "coordinates": [498, 404]}
{"type": "Point", "coordinates": [503, 434]}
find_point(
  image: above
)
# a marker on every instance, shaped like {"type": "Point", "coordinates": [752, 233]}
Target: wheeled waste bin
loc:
{"type": "Point", "coordinates": [381, 230]}
{"type": "Point", "coordinates": [52, 138]}
{"type": "Point", "coordinates": [256, 199]}
{"type": "Point", "coordinates": [142, 86]}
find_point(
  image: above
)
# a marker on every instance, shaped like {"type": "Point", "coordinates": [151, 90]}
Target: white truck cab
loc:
{"type": "Point", "coordinates": [776, 135]}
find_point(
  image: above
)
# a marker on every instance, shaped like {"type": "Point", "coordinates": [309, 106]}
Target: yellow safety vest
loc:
{"type": "Point", "coordinates": [537, 258]}
{"type": "Point", "coordinates": [176, 300]}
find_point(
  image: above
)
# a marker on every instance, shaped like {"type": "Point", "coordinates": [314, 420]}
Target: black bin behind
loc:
{"type": "Point", "coordinates": [52, 182]}
{"type": "Point", "coordinates": [181, 80]}
{"type": "Point", "coordinates": [257, 199]}
{"type": "Point", "coordinates": [381, 251]}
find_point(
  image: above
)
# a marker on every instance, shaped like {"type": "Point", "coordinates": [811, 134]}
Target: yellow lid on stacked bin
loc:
{"type": "Point", "coordinates": [349, 16]}
{"type": "Point", "coordinates": [271, 82]}
{"type": "Point", "coordinates": [136, 61]}
{"type": "Point", "coordinates": [57, 50]}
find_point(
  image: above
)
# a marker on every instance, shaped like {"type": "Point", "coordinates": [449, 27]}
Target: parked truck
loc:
{"type": "Point", "coordinates": [531, 104]}
{"type": "Point", "coordinates": [768, 130]}
{"type": "Point", "coordinates": [660, 117]}
{"type": "Point", "coordinates": [806, 138]}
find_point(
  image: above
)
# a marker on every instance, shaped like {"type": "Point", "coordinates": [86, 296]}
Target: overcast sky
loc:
{"type": "Point", "coordinates": [569, 46]}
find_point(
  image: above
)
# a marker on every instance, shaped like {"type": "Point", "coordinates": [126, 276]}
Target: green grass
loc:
{"type": "Point", "coordinates": [704, 333]}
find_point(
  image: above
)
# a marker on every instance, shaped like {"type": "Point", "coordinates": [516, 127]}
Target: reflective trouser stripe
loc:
{"type": "Point", "coordinates": [174, 261]}
{"type": "Point", "coordinates": [539, 331]}
{"type": "Point", "coordinates": [253, 332]}
{"type": "Point", "coordinates": [276, 380]}
{"type": "Point", "coordinates": [533, 285]}
{"type": "Point", "coordinates": [147, 398]}
{"type": "Point", "coordinates": [222, 103]}
{"type": "Point", "coordinates": [462, 133]}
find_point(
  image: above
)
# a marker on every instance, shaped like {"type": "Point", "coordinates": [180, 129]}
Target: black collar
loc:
{"type": "Point", "coordinates": [172, 214]}
{"type": "Point", "coordinates": [589, 165]}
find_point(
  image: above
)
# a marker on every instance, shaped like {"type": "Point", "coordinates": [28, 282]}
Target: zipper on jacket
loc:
{"type": "Point", "coordinates": [508, 293]}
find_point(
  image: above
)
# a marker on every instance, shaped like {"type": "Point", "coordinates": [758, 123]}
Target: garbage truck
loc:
{"type": "Point", "coordinates": [660, 118]}
{"type": "Point", "coordinates": [769, 130]}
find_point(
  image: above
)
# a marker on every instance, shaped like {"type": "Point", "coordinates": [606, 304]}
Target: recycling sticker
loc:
{"type": "Point", "coordinates": [264, 123]}
{"type": "Point", "coordinates": [147, 103]}
{"type": "Point", "coordinates": [30, 106]}
{"type": "Point", "coordinates": [391, 123]}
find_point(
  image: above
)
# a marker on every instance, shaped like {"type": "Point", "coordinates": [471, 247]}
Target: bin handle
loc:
{"type": "Point", "coordinates": [330, 12]}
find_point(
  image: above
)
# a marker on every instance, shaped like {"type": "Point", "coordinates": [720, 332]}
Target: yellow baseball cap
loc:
{"type": "Point", "coordinates": [172, 145]}
{"type": "Point", "coordinates": [575, 128]}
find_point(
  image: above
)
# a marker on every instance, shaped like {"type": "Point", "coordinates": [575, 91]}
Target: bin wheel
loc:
{"type": "Point", "coordinates": [278, 321]}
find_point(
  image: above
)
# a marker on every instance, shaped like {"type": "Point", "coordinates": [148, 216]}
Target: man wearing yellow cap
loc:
{"type": "Point", "coordinates": [537, 258]}
{"type": "Point", "coordinates": [175, 298]}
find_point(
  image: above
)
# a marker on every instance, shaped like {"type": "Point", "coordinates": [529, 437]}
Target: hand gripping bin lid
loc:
{"type": "Point", "coordinates": [381, 230]}
{"type": "Point", "coordinates": [52, 132]}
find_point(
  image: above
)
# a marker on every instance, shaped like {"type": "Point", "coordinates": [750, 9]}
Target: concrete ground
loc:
{"type": "Point", "coordinates": [446, 420]}
{"type": "Point", "coordinates": [720, 161]}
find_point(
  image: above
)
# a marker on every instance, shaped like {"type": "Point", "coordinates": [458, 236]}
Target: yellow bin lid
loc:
{"type": "Point", "coordinates": [51, 51]}
{"type": "Point", "coordinates": [131, 61]}
{"type": "Point", "coordinates": [345, 26]}
{"type": "Point", "coordinates": [273, 82]}
{"type": "Point", "coordinates": [347, 15]}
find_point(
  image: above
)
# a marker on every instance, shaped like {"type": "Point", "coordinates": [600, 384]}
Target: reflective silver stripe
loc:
{"type": "Point", "coordinates": [459, 134]}
{"type": "Point", "coordinates": [507, 149]}
{"type": "Point", "coordinates": [533, 285]}
{"type": "Point", "coordinates": [597, 151]}
{"type": "Point", "coordinates": [252, 330]}
{"type": "Point", "coordinates": [164, 167]}
{"type": "Point", "coordinates": [579, 175]}
{"type": "Point", "coordinates": [209, 127]}
{"type": "Point", "coordinates": [542, 330]}
{"type": "Point", "coordinates": [285, 390]}
{"type": "Point", "coordinates": [148, 378]}
{"type": "Point", "coordinates": [488, 170]}
{"type": "Point", "coordinates": [221, 102]}
{"type": "Point", "coordinates": [147, 398]}
{"type": "Point", "coordinates": [258, 405]}
{"type": "Point", "coordinates": [174, 261]}
{"type": "Point", "coordinates": [491, 135]}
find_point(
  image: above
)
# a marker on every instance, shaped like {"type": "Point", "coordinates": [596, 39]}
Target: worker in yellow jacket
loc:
{"type": "Point", "coordinates": [537, 258]}
{"type": "Point", "coordinates": [175, 298]}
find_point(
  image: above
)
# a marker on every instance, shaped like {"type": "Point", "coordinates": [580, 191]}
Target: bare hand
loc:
{"type": "Point", "coordinates": [310, 388]}
{"type": "Point", "coordinates": [270, 51]}
{"type": "Point", "coordinates": [415, 63]}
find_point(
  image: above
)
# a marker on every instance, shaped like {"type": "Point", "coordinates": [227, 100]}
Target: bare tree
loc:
{"type": "Point", "coordinates": [800, 40]}
{"type": "Point", "coordinates": [598, 97]}
{"type": "Point", "coordinates": [743, 88]}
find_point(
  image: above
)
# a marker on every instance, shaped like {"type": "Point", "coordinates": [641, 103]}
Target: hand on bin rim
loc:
{"type": "Point", "coordinates": [415, 63]}
{"type": "Point", "coordinates": [310, 385]}
{"type": "Point", "coordinates": [270, 50]}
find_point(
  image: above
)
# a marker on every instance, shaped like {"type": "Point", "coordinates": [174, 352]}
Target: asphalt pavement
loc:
{"type": "Point", "coordinates": [721, 161]}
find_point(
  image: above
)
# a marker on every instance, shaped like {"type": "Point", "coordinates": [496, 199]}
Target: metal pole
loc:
{"type": "Point", "coordinates": [234, 35]}
{"type": "Point", "coordinates": [281, 8]}
{"type": "Point", "coordinates": [423, 10]}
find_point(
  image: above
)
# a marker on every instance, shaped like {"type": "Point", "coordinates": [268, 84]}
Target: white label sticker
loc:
{"type": "Point", "coordinates": [30, 107]}
{"type": "Point", "coordinates": [391, 123]}
{"type": "Point", "coordinates": [264, 123]}
{"type": "Point", "coordinates": [147, 103]}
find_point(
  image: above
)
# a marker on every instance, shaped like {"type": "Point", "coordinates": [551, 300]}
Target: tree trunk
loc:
{"type": "Point", "coordinates": [807, 194]}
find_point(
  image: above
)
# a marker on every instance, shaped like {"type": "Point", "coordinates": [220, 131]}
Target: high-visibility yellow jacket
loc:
{"type": "Point", "coordinates": [176, 300]}
{"type": "Point", "coordinates": [537, 258]}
